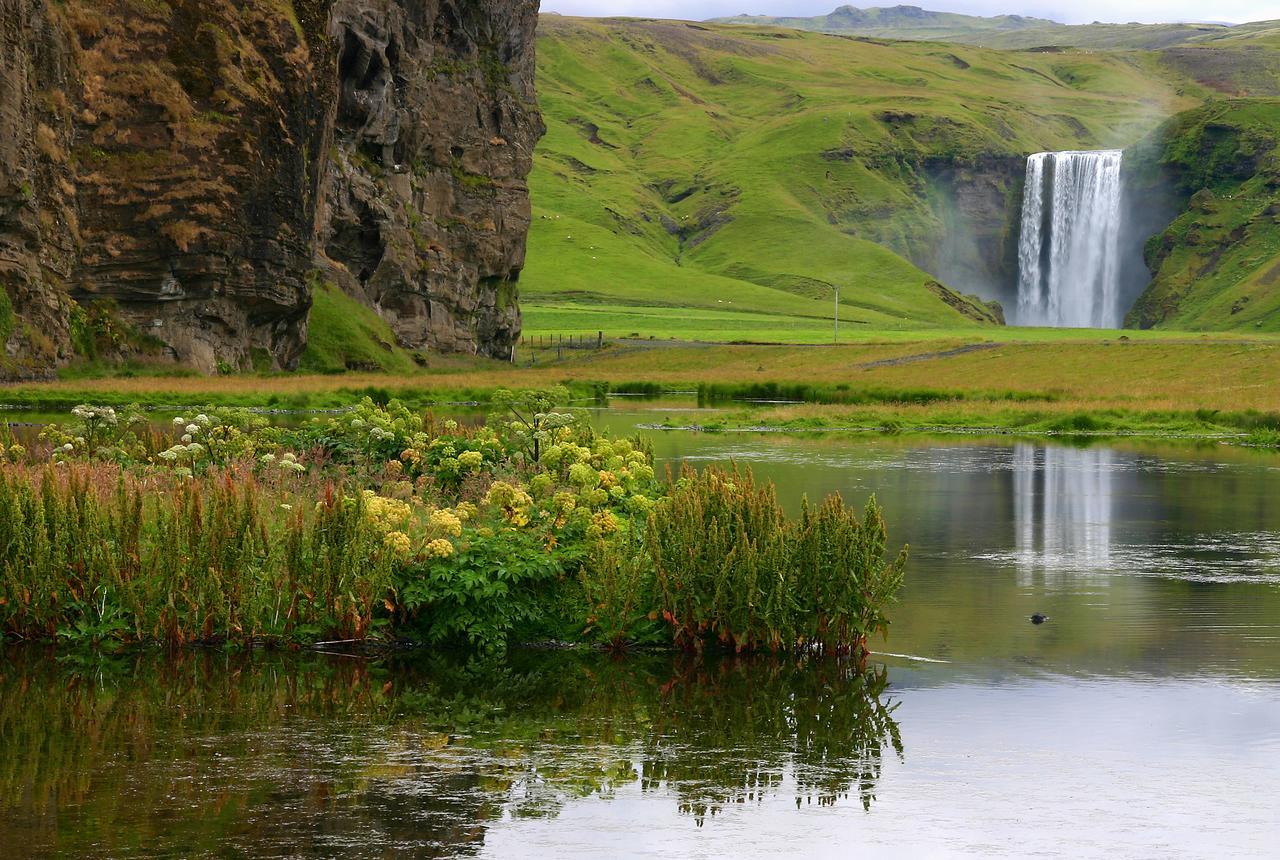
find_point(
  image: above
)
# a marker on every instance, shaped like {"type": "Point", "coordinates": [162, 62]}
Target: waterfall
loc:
{"type": "Point", "coordinates": [1068, 248]}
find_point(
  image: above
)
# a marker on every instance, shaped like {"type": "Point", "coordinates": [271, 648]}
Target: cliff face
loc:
{"type": "Point", "coordinates": [194, 166]}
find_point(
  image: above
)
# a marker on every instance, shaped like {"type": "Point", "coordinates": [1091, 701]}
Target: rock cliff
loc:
{"type": "Point", "coordinates": [174, 177]}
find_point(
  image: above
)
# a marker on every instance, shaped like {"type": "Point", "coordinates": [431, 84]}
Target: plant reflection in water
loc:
{"type": "Point", "coordinates": [275, 753]}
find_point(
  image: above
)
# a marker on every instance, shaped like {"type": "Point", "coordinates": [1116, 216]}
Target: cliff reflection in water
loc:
{"type": "Point", "coordinates": [277, 754]}
{"type": "Point", "coordinates": [1062, 507]}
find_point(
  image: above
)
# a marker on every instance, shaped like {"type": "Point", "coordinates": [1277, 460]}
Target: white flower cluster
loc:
{"type": "Point", "coordinates": [96, 414]}
{"type": "Point", "coordinates": [191, 450]}
{"type": "Point", "coordinates": [287, 461]}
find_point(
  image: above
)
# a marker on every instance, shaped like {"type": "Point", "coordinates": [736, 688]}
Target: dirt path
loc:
{"type": "Point", "coordinates": [927, 356]}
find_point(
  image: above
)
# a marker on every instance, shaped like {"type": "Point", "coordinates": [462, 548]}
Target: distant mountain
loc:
{"type": "Point", "coordinates": [1003, 31]}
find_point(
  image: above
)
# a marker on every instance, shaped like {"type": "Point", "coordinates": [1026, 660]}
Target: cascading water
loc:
{"type": "Point", "coordinates": [1068, 250]}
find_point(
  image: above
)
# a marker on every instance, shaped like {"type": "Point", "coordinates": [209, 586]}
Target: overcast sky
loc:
{"type": "Point", "coordinates": [1067, 11]}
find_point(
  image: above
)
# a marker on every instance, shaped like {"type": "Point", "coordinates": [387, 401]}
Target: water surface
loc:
{"type": "Point", "coordinates": [1143, 719]}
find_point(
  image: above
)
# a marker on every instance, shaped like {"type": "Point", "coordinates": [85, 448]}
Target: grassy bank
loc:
{"type": "Point", "coordinates": [1028, 380]}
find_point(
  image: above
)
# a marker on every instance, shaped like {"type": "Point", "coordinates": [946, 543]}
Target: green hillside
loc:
{"type": "Point", "coordinates": [1217, 266]}
{"type": "Point", "coordinates": [1001, 31]}
{"type": "Point", "coordinates": [718, 181]}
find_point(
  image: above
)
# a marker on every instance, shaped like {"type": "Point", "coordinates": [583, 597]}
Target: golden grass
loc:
{"type": "Point", "coordinates": [1167, 374]}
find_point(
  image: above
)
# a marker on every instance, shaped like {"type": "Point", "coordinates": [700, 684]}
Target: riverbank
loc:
{"type": "Point", "coordinates": [1031, 382]}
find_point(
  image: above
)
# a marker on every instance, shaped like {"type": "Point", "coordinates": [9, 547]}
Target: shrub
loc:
{"type": "Point", "coordinates": [731, 567]}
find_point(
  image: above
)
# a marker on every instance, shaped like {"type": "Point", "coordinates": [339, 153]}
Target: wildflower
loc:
{"type": "Point", "coordinates": [195, 449]}
{"type": "Point", "coordinates": [540, 485]}
{"type": "Point", "coordinates": [193, 429]}
{"type": "Point", "coordinates": [292, 466]}
{"type": "Point", "coordinates": [471, 459]}
{"type": "Point", "coordinates": [16, 453]}
{"type": "Point", "coordinates": [284, 506]}
{"type": "Point", "coordinates": [439, 548]}
{"type": "Point", "coordinates": [203, 419]}
{"type": "Point", "coordinates": [68, 447]}
{"type": "Point", "coordinates": [357, 424]}
{"type": "Point", "coordinates": [465, 511]}
{"type": "Point", "coordinates": [179, 421]}
{"type": "Point", "coordinates": [186, 438]}
{"type": "Point", "coordinates": [605, 521]}
{"type": "Point", "coordinates": [398, 542]}
{"type": "Point", "coordinates": [170, 455]}
{"type": "Point", "coordinates": [639, 504]}
{"type": "Point", "coordinates": [289, 457]}
{"type": "Point", "coordinates": [267, 459]}
{"type": "Point", "coordinates": [583, 475]}
{"type": "Point", "coordinates": [447, 523]}
{"type": "Point", "coordinates": [450, 425]}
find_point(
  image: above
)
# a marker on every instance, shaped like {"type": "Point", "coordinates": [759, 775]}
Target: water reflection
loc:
{"type": "Point", "coordinates": [272, 755]}
{"type": "Point", "coordinates": [1062, 508]}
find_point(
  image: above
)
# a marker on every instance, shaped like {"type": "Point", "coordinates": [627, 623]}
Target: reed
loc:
{"type": "Point", "coordinates": [200, 560]}
{"type": "Point", "coordinates": [731, 567]}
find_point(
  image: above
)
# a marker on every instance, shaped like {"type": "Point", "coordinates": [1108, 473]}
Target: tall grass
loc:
{"type": "Point", "coordinates": [93, 552]}
{"type": "Point", "coordinates": [731, 567]}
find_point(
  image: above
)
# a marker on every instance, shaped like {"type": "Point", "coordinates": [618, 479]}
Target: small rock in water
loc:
{"type": "Point", "coordinates": [1039, 618]}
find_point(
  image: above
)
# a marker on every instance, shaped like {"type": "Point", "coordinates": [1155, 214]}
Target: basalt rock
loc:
{"type": "Point", "coordinates": [191, 165]}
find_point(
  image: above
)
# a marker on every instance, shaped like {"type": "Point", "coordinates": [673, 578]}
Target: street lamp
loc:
{"type": "Point", "coordinates": [835, 334]}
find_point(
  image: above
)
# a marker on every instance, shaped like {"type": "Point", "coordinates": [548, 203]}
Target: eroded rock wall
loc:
{"type": "Point", "coordinates": [189, 165]}
{"type": "Point", "coordinates": [426, 207]}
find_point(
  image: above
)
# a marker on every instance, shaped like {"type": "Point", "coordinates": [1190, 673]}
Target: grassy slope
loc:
{"type": "Point", "coordinates": [344, 334]}
{"type": "Point", "coordinates": [1218, 265]}
{"type": "Point", "coordinates": [682, 189]}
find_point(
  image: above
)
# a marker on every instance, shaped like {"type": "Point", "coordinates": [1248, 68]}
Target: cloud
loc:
{"type": "Point", "coordinates": [1067, 11]}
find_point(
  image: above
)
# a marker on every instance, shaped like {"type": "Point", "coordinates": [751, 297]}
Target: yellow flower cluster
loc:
{"type": "Point", "coordinates": [471, 459]}
{"type": "Point", "coordinates": [397, 542]}
{"type": "Point", "coordinates": [602, 523]}
{"type": "Point", "coordinates": [446, 522]}
{"type": "Point", "coordinates": [439, 548]}
{"type": "Point", "coordinates": [385, 514]}
{"type": "Point", "coordinates": [465, 511]}
{"type": "Point", "coordinates": [514, 502]}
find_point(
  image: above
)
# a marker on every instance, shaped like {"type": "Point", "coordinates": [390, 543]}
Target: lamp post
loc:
{"type": "Point", "coordinates": [835, 334]}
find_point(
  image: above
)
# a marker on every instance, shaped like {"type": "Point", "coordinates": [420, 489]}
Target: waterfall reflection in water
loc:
{"type": "Point", "coordinates": [1062, 508]}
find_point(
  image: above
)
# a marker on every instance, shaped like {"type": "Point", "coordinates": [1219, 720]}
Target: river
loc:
{"type": "Point", "coordinates": [1141, 719]}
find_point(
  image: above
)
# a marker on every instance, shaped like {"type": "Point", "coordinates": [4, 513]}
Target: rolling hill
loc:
{"type": "Point", "coordinates": [720, 181]}
{"type": "Point", "coordinates": [1008, 32]}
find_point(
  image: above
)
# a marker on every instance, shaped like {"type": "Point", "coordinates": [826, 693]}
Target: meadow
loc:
{"type": "Point", "coordinates": [1023, 379]}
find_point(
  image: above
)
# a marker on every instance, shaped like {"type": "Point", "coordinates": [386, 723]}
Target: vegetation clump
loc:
{"type": "Point", "coordinates": [381, 523]}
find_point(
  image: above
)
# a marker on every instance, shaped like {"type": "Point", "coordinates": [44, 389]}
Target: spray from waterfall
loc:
{"type": "Point", "coordinates": [1068, 248]}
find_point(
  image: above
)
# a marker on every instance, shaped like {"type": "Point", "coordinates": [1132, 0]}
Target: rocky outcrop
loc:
{"type": "Point", "coordinates": [190, 164]}
{"type": "Point", "coordinates": [425, 209]}
{"type": "Point", "coordinates": [37, 216]}
{"type": "Point", "coordinates": [978, 203]}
